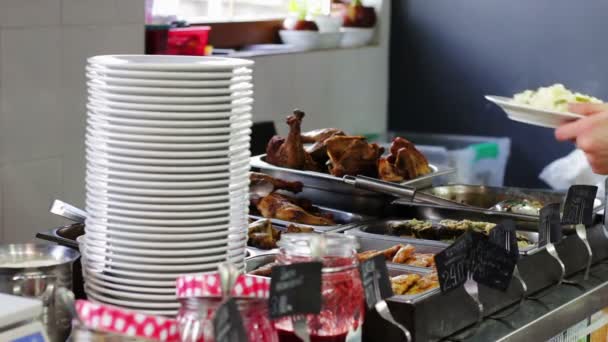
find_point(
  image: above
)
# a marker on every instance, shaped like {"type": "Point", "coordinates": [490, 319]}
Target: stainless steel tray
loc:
{"type": "Point", "coordinates": [340, 217]}
{"type": "Point", "coordinates": [330, 191]}
{"type": "Point", "coordinates": [484, 197]}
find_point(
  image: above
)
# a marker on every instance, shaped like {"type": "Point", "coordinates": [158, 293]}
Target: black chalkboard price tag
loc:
{"type": "Point", "coordinates": [228, 323]}
{"type": "Point", "coordinates": [505, 236]}
{"type": "Point", "coordinates": [295, 289]}
{"type": "Point", "coordinates": [375, 279]}
{"type": "Point", "coordinates": [550, 229]}
{"type": "Point", "coordinates": [453, 263]}
{"type": "Point", "coordinates": [493, 265]}
{"type": "Point", "coordinates": [578, 207]}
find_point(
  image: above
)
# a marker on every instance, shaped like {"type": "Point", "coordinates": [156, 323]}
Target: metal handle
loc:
{"type": "Point", "coordinates": [522, 298]}
{"type": "Point", "coordinates": [550, 247]}
{"type": "Point", "coordinates": [472, 289]}
{"type": "Point", "coordinates": [581, 231]}
{"type": "Point", "coordinates": [384, 312]}
{"type": "Point", "coordinates": [19, 280]}
{"type": "Point", "coordinates": [68, 211]}
{"type": "Point", "coordinates": [376, 185]}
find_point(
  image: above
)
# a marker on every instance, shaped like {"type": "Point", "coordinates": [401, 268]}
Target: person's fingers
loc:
{"type": "Point", "coordinates": [573, 129]}
{"type": "Point", "coordinates": [598, 164]}
{"type": "Point", "coordinates": [587, 108]}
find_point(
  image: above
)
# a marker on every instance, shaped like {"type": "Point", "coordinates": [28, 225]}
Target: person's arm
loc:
{"type": "Point", "coordinates": [589, 133]}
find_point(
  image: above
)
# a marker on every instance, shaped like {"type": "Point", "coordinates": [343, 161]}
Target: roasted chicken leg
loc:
{"type": "Point", "coordinates": [352, 155]}
{"type": "Point", "coordinates": [260, 179]}
{"type": "Point", "coordinates": [284, 208]}
{"type": "Point", "coordinates": [289, 152]}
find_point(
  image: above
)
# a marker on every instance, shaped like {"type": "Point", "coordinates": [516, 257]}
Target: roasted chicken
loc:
{"type": "Point", "coordinates": [289, 152]}
{"type": "Point", "coordinates": [287, 209]}
{"type": "Point", "coordinates": [352, 155]}
{"type": "Point", "coordinates": [318, 149]}
{"type": "Point", "coordinates": [261, 234]}
{"type": "Point", "coordinates": [404, 162]}
{"type": "Point", "coordinates": [401, 254]}
{"type": "Point", "coordinates": [260, 179]}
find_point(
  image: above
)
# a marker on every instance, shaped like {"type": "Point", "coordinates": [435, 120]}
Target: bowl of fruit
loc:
{"type": "Point", "coordinates": [300, 33]}
{"type": "Point", "coordinates": [359, 24]}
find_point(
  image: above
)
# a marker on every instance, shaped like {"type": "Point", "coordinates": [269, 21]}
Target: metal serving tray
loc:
{"type": "Point", "coordinates": [340, 217]}
{"type": "Point", "coordinates": [331, 191]}
{"type": "Point", "coordinates": [484, 197]}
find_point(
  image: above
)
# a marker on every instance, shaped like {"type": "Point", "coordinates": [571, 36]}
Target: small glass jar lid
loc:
{"type": "Point", "coordinates": [208, 285]}
{"type": "Point", "coordinates": [110, 319]}
{"type": "Point", "coordinates": [319, 245]}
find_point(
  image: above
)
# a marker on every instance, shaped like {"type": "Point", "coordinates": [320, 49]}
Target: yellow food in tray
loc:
{"type": "Point", "coordinates": [412, 284]}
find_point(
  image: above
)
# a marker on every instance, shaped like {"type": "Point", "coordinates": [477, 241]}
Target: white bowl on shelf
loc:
{"type": "Point", "coordinates": [328, 23]}
{"type": "Point", "coordinates": [306, 40]}
{"type": "Point", "coordinates": [356, 36]}
{"type": "Point", "coordinates": [330, 40]}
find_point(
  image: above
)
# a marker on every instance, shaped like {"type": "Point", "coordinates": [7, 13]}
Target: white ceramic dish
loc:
{"type": "Point", "coordinates": [159, 230]}
{"type": "Point", "coordinates": [169, 62]}
{"type": "Point", "coordinates": [176, 75]}
{"type": "Point", "coordinates": [134, 289]}
{"type": "Point", "coordinates": [237, 127]}
{"type": "Point", "coordinates": [170, 100]}
{"type": "Point", "coordinates": [128, 292]}
{"type": "Point", "coordinates": [159, 237]}
{"type": "Point", "coordinates": [179, 83]}
{"type": "Point", "coordinates": [115, 241]}
{"type": "Point", "coordinates": [355, 36]}
{"type": "Point", "coordinates": [149, 115]}
{"type": "Point", "coordinates": [157, 252]}
{"type": "Point", "coordinates": [99, 146]}
{"type": "Point", "coordinates": [101, 155]}
{"type": "Point", "coordinates": [105, 187]}
{"type": "Point", "coordinates": [531, 115]}
{"type": "Point", "coordinates": [170, 108]}
{"type": "Point", "coordinates": [102, 209]}
{"type": "Point", "coordinates": [149, 284]}
{"type": "Point", "coordinates": [168, 91]}
{"type": "Point", "coordinates": [221, 146]}
{"type": "Point", "coordinates": [306, 40]}
{"type": "Point", "coordinates": [129, 303]}
{"type": "Point", "coordinates": [212, 184]}
{"type": "Point", "coordinates": [164, 261]}
{"type": "Point", "coordinates": [127, 266]}
{"type": "Point", "coordinates": [160, 199]}
{"type": "Point", "coordinates": [166, 123]}
{"type": "Point", "coordinates": [160, 207]}
{"type": "Point", "coordinates": [215, 170]}
{"type": "Point", "coordinates": [148, 176]}
{"type": "Point", "coordinates": [223, 138]}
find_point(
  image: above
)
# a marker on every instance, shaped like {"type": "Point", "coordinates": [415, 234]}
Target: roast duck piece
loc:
{"type": "Point", "coordinates": [286, 208]}
{"type": "Point", "coordinates": [404, 162]}
{"type": "Point", "coordinates": [401, 254]}
{"type": "Point", "coordinates": [261, 179]}
{"type": "Point", "coordinates": [335, 152]}
{"type": "Point", "coordinates": [290, 152]}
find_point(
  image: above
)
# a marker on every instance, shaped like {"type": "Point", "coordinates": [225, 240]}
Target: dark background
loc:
{"type": "Point", "coordinates": [446, 54]}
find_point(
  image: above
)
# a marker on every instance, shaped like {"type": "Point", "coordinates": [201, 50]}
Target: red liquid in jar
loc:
{"type": "Point", "coordinates": [288, 336]}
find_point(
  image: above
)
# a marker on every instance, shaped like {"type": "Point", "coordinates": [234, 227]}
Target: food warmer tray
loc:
{"type": "Point", "coordinates": [331, 191]}
{"type": "Point", "coordinates": [342, 219]}
{"type": "Point", "coordinates": [484, 197]}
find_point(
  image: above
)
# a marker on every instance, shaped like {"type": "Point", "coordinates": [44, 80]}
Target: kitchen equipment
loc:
{"type": "Point", "coordinates": [68, 211]}
{"type": "Point", "coordinates": [20, 319]}
{"type": "Point", "coordinates": [330, 191]}
{"type": "Point", "coordinates": [37, 271]}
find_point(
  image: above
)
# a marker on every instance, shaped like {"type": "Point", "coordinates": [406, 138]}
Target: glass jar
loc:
{"type": "Point", "coordinates": [195, 317]}
{"type": "Point", "coordinates": [343, 303]}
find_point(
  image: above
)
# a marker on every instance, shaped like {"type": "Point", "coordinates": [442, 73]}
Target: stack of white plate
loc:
{"type": "Point", "coordinates": [167, 174]}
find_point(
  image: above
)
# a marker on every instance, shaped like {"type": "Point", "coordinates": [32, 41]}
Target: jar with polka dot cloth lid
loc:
{"type": "Point", "coordinates": [200, 295]}
{"type": "Point", "coordinates": [105, 323]}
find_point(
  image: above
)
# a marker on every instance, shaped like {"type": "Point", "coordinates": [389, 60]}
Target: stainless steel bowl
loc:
{"type": "Point", "coordinates": [37, 271]}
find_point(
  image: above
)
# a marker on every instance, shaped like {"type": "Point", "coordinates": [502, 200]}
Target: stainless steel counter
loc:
{"type": "Point", "coordinates": [539, 320]}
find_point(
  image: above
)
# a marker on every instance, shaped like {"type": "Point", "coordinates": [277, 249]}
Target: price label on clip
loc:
{"type": "Point", "coordinates": [578, 207]}
{"type": "Point", "coordinates": [375, 279]}
{"type": "Point", "coordinates": [295, 289]}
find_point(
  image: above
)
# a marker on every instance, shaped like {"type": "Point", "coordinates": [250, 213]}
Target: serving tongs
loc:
{"type": "Point", "coordinates": [402, 192]}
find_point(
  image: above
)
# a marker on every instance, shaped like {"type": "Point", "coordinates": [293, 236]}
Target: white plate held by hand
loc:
{"type": "Point", "coordinates": [531, 115]}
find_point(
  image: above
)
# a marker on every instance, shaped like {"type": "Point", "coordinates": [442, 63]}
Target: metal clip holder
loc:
{"type": "Point", "coordinates": [522, 284]}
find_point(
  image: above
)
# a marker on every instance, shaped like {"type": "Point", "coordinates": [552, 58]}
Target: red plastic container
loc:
{"type": "Point", "coordinates": [188, 40]}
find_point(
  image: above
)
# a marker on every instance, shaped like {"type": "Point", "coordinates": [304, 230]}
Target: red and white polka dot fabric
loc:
{"type": "Point", "coordinates": [126, 323]}
{"type": "Point", "coordinates": [208, 285]}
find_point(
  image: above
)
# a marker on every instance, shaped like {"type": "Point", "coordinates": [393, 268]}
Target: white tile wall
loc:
{"type": "Point", "coordinates": [43, 49]}
{"type": "Point", "coordinates": [28, 13]}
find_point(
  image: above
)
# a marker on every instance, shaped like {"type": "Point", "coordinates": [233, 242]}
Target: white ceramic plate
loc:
{"type": "Point", "coordinates": [158, 237]}
{"type": "Point", "coordinates": [112, 218]}
{"type": "Point", "coordinates": [164, 261]}
{"type": "Point", "coordinates": [531, 115]}
{"type": "Point", "coordinates": [181, 75]}
{"type": "Point", "coordinates": [150, 115]}
{"type": "Point", "coordinates": [169, 62]}
{"type": "Point", "coordinates": [133, 289]}
{"type": "Point", "coordinates": [104, 186]}
{"type": "Point", "coordinates": [110, 171]}
{"type": "Point", "coordinates": [161, 123]}
{"type": "Point", "coordinates": [178, 83]}
{"type": "Point", "coordinates": [102, 208]}
{"type": "Point", "coordinates": [159, 207]}
{"type": "Point", "coordinates": [118, 128]}
{"type": "Point", "coordinates": [222, 146]}
{"type": "Point", "coordinates": [127, 266]}
{"type": "Point", "coordinates": [128, 303]}
{"type": "Point", "coordinates": [217, 170]}
{"type": "Point", "coordinates": [150, 284]}
{"type": "Point", "coordinates": [159, 230]}
{"type": "Point", "coordinates": [101, 155]}
{"type": "Point", "coordinates": [165, 184]}
{"type": "Point", "coordinates": [171, 107]}
{"type": "Point", "coordinates": [168, 91]}
{"type": "Point", "coordinates": [144, 274]}
{"type": "Point", "coordinates": [101, 288]}
{"type": "Point", "coordinates": [225, 138]}
{"type": "Point", "coordinates": [118, 242]}
{"type": "Point", "coordinates": [170, 100]}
